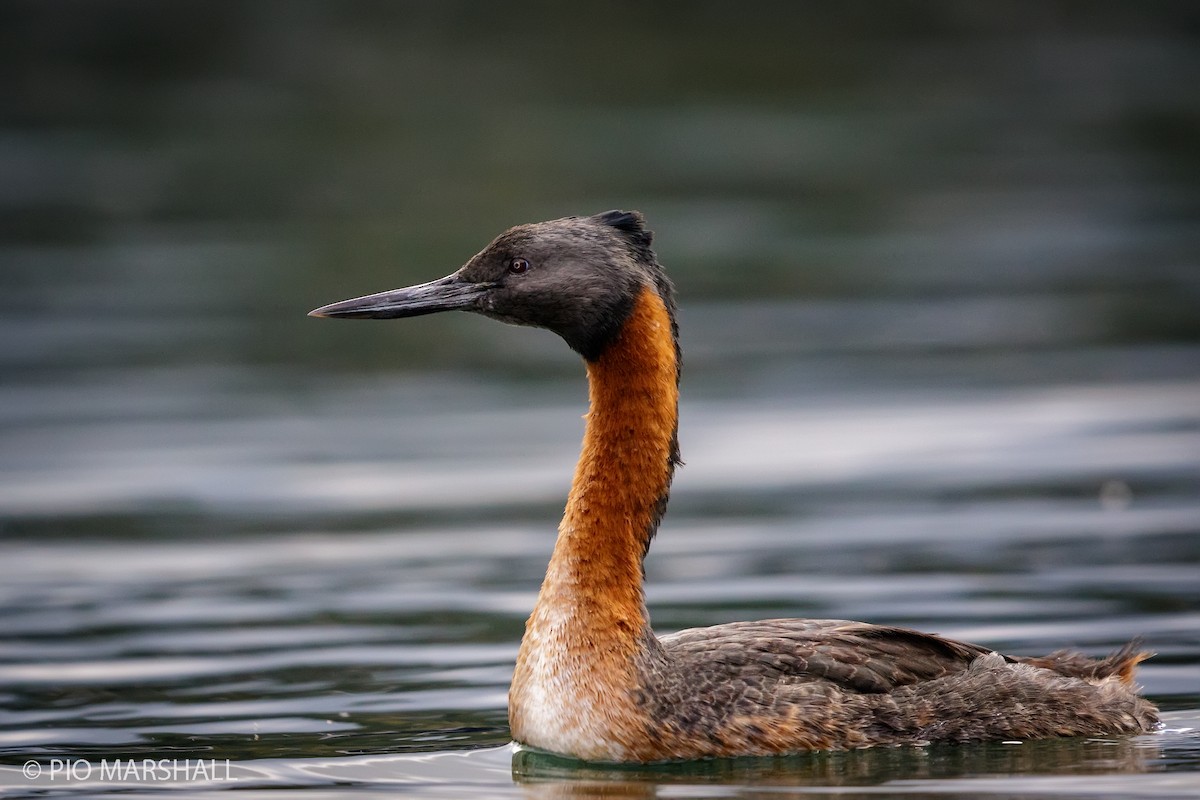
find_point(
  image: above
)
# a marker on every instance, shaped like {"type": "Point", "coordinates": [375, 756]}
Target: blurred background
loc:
{"type": "Point", "coordinates": [937, 265]}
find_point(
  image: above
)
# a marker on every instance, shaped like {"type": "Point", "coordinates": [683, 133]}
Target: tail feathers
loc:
{"type": "Point", "coordinates": [1120, 664]}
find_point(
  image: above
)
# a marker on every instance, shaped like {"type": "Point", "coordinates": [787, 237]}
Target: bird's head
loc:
{"type": "Point", "coordinates": [576, 276]}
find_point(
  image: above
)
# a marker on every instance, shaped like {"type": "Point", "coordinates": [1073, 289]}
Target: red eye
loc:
{"type": "Point", "coordinates": [518, 266]}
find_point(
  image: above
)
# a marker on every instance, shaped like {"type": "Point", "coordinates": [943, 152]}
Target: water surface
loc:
{"type": "Point", "coordinates": [325, 595]}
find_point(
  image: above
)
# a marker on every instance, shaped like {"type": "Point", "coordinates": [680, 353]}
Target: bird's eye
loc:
{"type": "Point", "coordinates": [518, 266]}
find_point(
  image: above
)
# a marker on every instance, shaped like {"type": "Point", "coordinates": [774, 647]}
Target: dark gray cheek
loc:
{"type": "Point", "coordinates": [501, 311]}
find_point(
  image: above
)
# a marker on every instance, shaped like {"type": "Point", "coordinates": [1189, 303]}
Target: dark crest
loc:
{"type": "Point", "coordinates": [630, 223]}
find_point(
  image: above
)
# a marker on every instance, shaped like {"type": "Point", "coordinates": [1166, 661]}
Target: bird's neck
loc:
{"type": "Point", "coordinates": [625, 468]}
{"type": "Point", "coordinates": [590, 627]}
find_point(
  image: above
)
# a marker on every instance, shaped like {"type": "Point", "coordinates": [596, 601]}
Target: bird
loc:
{"type": "Point", "coordinates": [592, 680]}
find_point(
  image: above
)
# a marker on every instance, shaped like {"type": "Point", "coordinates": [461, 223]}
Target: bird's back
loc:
{"type": "Point", "coordinates": [787, 685]}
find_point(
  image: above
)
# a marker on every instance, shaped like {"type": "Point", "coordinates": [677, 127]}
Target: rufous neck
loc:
{"type": "Point", "coordinates": [627, 461]}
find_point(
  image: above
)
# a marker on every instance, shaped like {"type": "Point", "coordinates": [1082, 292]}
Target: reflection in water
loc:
{"type": "Point", "coordinates": [546, 776]}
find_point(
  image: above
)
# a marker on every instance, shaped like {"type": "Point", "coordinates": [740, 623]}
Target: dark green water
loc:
{"type": "Point", "coordinates": [940, 292]}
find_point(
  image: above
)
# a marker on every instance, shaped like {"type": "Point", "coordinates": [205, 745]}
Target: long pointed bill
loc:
{"type": "Point", "coordinates": [450, 293]}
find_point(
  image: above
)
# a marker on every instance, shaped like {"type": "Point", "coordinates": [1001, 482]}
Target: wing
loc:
{"type": "Point", "coordinates": [855, 656]}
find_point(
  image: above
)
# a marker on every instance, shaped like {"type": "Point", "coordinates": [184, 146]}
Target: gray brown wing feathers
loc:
{"type": "Point", "coordinates": [786, 685]}
{"type": "Point", "coordinates": [856, 656]}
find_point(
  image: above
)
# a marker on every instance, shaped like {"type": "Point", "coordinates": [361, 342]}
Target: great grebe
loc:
{"type": "Point", "coordinates": [592, 680]}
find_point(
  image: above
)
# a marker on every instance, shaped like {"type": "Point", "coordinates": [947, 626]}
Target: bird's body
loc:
{"type": "Point", "coordinates": [592, 680]}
